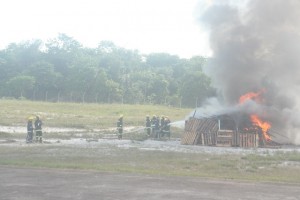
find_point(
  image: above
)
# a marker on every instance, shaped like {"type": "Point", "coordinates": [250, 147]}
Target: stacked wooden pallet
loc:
{"type": "Point", "coordinates": [205, 131]}
{"type": "Point", "coordinates": [200, 131]}
{"type": "Point", "coordinates": [249, 139]}
{"type": "Point", "coordinates": [208, 133]}
{"type": "Point", "coordinates": [190, 134]}
{"type": "Point", "coordinates": [225, 138]}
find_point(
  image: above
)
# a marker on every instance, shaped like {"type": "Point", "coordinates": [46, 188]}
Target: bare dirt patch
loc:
{"type": "Point", "coordinates": [48, 184]}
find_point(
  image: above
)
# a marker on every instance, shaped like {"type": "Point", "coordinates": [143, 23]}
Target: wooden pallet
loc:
{"type": "Point", "coordinates": [200, 131]}
{"type": "Point", "coordinates": [224, 138]}
{"type": "Point", "coordinates": [190, 135]}
{"type": "Point", "coordinates": [188, 138]}
{"type": "Point", "coordinates": [249, 140]}
{"type": "Point", "coordinates": [205, 131]}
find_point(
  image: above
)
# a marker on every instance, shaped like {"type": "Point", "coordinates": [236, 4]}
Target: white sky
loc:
{"type": "Point", "coordinates": [146, 25]}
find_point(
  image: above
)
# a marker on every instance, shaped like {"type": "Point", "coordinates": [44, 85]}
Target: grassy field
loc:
{"type": "Point", "coordinates": [76, 115]}
{"type": "Point", "coordinates": [273, 167]}
{"type": "Point", "coordinates": [278, 167]}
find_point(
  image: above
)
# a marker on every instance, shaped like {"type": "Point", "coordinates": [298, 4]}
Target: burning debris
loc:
{"type": "Point", "coordinates": [238, 126]}
{"type": "Point", "coordinates": [255, 45]}
{"type": "Point", "coordinates": [256, 121]}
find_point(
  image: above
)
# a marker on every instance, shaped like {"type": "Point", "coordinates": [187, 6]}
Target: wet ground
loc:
{"type": "Point", "coordinates": [172, 145]}
{"type": "Point", "coordinates": [83, 137]}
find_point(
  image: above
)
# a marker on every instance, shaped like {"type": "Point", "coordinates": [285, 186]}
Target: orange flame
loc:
{"type": "Point", "coordinates": [265, 126]}
{"type": "Point", "coordinates": [252, 95]}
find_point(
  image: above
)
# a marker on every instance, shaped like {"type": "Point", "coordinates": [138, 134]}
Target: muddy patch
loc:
{"type": "Point", "coordinates": [173, 145]}
{"type": "Point", "coordinates": [15, 136]}
{"type": "Point", "coordinates": [7, 141]}
{"type": "Point", "coordinates": [23, 129]}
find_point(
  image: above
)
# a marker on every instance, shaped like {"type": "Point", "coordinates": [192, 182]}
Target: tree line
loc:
{"type": "Point", "coordinates": [61, 69]}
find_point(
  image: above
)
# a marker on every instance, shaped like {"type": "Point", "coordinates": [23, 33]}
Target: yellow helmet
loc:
{"type": "Point", "coordinates": [31, 118]}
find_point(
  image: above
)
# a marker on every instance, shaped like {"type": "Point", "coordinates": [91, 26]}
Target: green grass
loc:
{"type": "Point", "coordinates": [76, 115]}
{"type": "Point", "coordinates": [109, 158]}
{"type": "Point", "coordinates": [274, 167]}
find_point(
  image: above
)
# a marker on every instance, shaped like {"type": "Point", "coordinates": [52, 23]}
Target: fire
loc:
{"type": "Point", "coordinates": [265, 126]}
{"type": "Point", "coordinates": [252, 95]}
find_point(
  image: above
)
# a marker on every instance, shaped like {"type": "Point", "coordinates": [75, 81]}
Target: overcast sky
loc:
{"type": "Point", "coordinates": [146, 25]}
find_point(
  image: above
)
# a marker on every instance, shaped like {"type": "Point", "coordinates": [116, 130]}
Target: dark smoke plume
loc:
{"type": "Point", "coordinates": [257, 47]}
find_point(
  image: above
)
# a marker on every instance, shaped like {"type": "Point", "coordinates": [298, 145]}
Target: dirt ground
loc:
{"type": "Point", "coordinates": [48, 184]}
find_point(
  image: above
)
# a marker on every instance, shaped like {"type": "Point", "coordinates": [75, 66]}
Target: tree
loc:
{"type": "Point", "coordinates": [20, 84]}
{"type": "Point", "coordinates": [62, 53]}
{"type": "Point", "coordinates": [162, 60]}
{"type": "Point", "coordinates": [112, 91]}
{"type": "Point", "coordinates": [46, 79]}
{"type": "Point", "coordinates": [63, 70]}
{"type": "Point", "coordinates": [195, 89]}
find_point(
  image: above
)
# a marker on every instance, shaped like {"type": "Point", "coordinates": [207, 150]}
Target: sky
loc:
{"type": "Point", "coordinates": [149, 26]}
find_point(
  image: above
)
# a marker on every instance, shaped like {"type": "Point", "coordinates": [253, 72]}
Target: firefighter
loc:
{"type": "Point", "coordinates": [38, 129]}
{"type": "Point", "coordinates": [148, 125]}
{"type": "Point", "coordinates": [162, 125]}
{"type": "Point", "coordinates": [29, 130]}
{"type": "Point", "coordinates": [120, 127]}
{"type": "Point", "coordinates": [156, 127]}
{"type": "Point", "coordinates": [167, 127]}
{"type": "Point", "coordinates": [153, 121]}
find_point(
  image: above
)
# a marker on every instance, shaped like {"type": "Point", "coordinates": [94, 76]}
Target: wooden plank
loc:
{"type": "Point", "coordinates": [210, 131]}
{"type": "Point", "coordinates": [190, 133]}
{"type": "Point", "coordinates": [224, 138]}
{"type": "Point", "coordinates": [248, 140]}
{"type": "Point", "coordinates": [188, 138]}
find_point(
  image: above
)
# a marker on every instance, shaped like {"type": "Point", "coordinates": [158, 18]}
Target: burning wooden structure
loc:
{"type": "Point", "coordinates": [225, 131]}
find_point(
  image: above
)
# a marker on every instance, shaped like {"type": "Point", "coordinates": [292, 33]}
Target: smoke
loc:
{"type": "Point", "coordinates": [256, 46]}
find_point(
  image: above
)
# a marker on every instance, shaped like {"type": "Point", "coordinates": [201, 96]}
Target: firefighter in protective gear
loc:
{"type": "Point", "coordinates": [148, 125]}
{"type": "Point", "coordinates": [156, 127]}
{"type": "Point", "coordinates": [38, 129]}
{"type": "Point", "coordinates": [153, 121]}
{"type": "Point", "coordinates": [162, 125]}
{"type": "Point", "coordinates": [167, 127]}
{"type": "Point", "coordinates": [120, 127]}
{"type": "Point", "coordinates": [29, 130]}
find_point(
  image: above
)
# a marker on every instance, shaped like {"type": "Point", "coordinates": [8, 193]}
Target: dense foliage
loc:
{"type": "Point", "coordinates": [63, 70]}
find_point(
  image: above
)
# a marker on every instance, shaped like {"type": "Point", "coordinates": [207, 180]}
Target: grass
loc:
{"type": "Point", "coordinates": [273, 167]}
{"type": "Point", "coordinates": [110, 158]}
{"type": "Point", "coordinates": [76, 115]}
